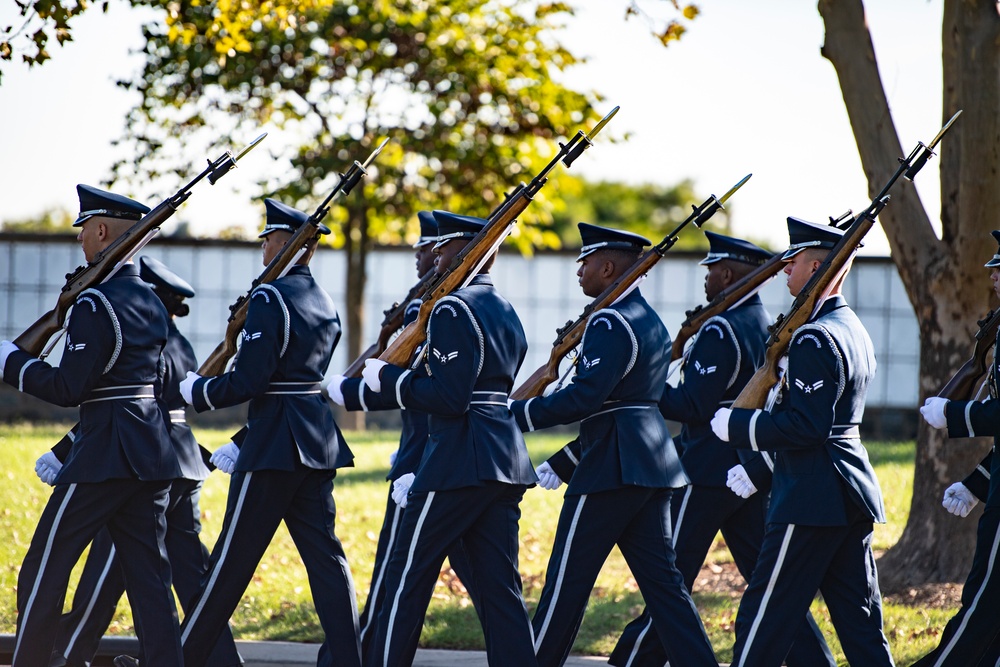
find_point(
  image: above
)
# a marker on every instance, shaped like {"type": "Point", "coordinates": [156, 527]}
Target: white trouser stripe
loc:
{"type": "Point", "coordinates": [975, 602]}
{"type": "Point", "coordinates": [562, 573]}
{"type": "Point", "coordinates": [228, 539]}
{"type": "Point", "coordinates": [638, 643]}
{"type": "Point", "coordinates": [41, 568]}
{"type": "Point", "coordinates": [767, 593]}
{"type": "Point", "coordinates": [402, 579]}
{"type": "Point", "coordinates": [680, 515]}
{"type": "Point", "coordinates": [373, 593]}
{"type": "Point", "coordinates": [93, 600]}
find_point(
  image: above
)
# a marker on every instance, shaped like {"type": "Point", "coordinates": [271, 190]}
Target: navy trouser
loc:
{"type": "Point", "coordinates": [133, 512]}
{"type": "Point", "coordinates": [972, 636]}
{"type": "Point", "coordinates": [637, 519]}
{"type": "Point", "coordinates": [795, 562]}
{"type": "Point", "coordinates": [258, 501]}
{"type": "Point", "coordinates": [697, 514]}
{"type": "Point", "coordinates": [387, 540]}
{"type": "Point", "coordinates": [101, 584]}
{"type": "Point", "coordinates": [485, 518]}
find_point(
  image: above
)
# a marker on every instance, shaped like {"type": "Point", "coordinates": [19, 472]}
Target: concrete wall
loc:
{"type": "Point", "coordinates": [542, 288]}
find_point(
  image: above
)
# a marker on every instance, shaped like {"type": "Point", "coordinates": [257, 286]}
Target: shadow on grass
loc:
{"type": "Point", "coordinates": [352, 476]}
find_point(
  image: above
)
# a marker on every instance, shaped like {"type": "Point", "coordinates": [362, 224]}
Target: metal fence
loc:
{"type": "Point", "coordinates": [543, 290]}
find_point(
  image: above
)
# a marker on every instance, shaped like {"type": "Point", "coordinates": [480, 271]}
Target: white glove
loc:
{"type": "Point", "coordinates": [47, 467]}
{"type": "Point", "coordinates": [6, 348]}
{"type": "Point", "coordinates": [224, 458]}
{"type": "Point", "coordinates": [334, 390]}
{"type": "Point", "coordinates": [187, 387]}
{"type": "Point", "coordinates": [401, 487]}
{"type": "Point", "coordinates": [739, 482]}
{"type": "Point", "coordinates": [720, 423]}
{"type": "Point", "coordinates": [372, 368]}
{"type": "Point", "coordinates": [392, 458]}
{"type": "Point", "coordinates": [547, 477]}
{"type": "Point", "coordinates": [958, 500]}
{"type": "Point", "coordinates": [933, 412]}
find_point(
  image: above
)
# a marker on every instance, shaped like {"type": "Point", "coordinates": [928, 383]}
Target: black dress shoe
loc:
{"type": "Point", "coordinates": [126, 661]}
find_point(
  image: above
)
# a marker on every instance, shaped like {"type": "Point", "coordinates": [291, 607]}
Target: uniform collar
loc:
{"type": "Point", "coordinates": [831, 304]}
{"type": "Point", "coordinates": [482, 279]}
{"type": "Point", "coordinates": [299, 270]}
{"type": "Point", "coordinates": [128, 270]}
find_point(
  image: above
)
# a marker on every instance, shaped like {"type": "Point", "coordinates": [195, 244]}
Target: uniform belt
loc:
{"type": "Point", "coordinates": [120, 393]}
{"type": "Point", "coordinates": [178, 416]}
{"type": "Point", "coordinates": [845, 431]}
{"type": "Point", "coordinates": [612, 406]}
{"type": "Point", "coordinates": [489, 398]}
{"type": "Point", "coordinates": [294, 388]}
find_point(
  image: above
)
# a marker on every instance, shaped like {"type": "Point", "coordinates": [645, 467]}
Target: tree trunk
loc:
{"type": "Point", "coordinates": [944, 279]}
{"type": "Point", "coordinates": [357, 243]}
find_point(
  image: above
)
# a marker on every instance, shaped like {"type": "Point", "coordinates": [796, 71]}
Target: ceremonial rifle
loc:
{"type": "Point", "coordinates": [730, 297]}
{"type": "Point", "coordinates": [475, 254]}
{"type": "Point", "coordinates": [836, 263]}
{"type": "Point", "coordinates": [570, 335]}
{"type": "Point", "coordinates": [393, 317]}
{"type": "Point", "coordinates": [391, 323]}
{"type": "Point", "coordinates": [293, 249]}
{"type": "Point", "coordinates": [107, 262]}
{"type": "Point", "coordinates": [963, 385]}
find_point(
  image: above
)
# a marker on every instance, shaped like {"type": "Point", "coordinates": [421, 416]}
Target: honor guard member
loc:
{"type": "Point", "coordinates": [620, 490]}
{"type": "Point", "coordinates": [118, 470]}
{"type": "Point", "coordinates": [824, 495]}
{"type": "Point", "coordinates": [722, 358]}
{"type": "Point", "coordinates": [285, 466]}
{"type": "Point", "coordinates": [972, 636]}
{"type": "Point", "coordinates": [474, 469]}
{"type": "Point", "coordinates": [354, 394]}
{"type": "Point", "coordinates": [101, 584]}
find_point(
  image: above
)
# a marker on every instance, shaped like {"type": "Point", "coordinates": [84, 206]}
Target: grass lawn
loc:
{"type": "Point", "coordinates": [278, 604]}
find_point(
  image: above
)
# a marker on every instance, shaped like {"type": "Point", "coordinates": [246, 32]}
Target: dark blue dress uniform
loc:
{"type": "Point", "coordinates": [120, 465]}
{"type": "Point", "coordinates": [972, 636]}
{"type": "Point", "coordinates": [412, 440]}
{"type": "Point", "coordinates": [101, 584]}
{"type": "Point", "coordinates": [720, 361]}
{"type": "Point", "coordinates": [472, 474]}
{"type": "Point", "coordinates": [287, 461]}
{"type": "Point", "coordinates": [620, 490]}
{"type": "Point", "coordinates": [824, 495]}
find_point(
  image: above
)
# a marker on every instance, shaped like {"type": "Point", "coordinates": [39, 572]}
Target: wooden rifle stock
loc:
{"type": "Point", "coordinates": [106, 262]}
{"type": "Point", "coordinates": [216, 362]}
{"type": "Point", "coordinates": [570, 335]}
{"type": "Point", "coordinates": [723, 301]}
{"type": "Point", "coordinates": [471, 258]}
{"type": "Point", "coordinates": [807, 302]}
{"type": "Point", "coordinates": [391, 323]}
{"type": "Point", "coordinates": [962, 386]}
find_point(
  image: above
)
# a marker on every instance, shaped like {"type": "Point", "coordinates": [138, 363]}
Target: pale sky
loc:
{"type": "Point", "coordinates": [745, 90]}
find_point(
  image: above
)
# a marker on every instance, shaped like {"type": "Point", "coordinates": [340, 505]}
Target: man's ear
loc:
{"type": "Point", "coordinates": [607, 269]}
{"type": "Point", "coordinates": [102, 231]}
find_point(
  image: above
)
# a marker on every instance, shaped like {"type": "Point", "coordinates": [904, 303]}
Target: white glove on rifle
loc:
{"type": "Point", "coordinates": [958, 500]}
{"type": "Point", "coordinates": [739, 482]}
{"type": "Point", "coordinates": [933, 411]}
{"type": "Point", "coordinates": [224, 458]}
{"type": "Point", "coordinates": [547, 477]}
{"type": "Point", "coordinates": [334, 389]}
{"type": "Point", "coordinates": [720, 423]}
{"type": "Point", "coordinates": [187, 387]}
{"type": "Point", "coordinates": [401, 487]}
{"type": "Point", "coordinates": [372, 369]}
{"type": "Point", "coordinates": [47, 467]}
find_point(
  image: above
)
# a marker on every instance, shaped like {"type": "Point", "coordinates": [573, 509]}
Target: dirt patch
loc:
{"type": "Point", "coordinates": [725, 579]}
